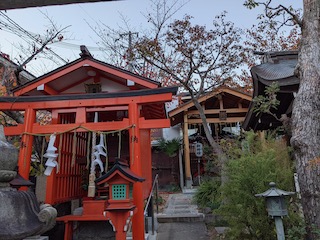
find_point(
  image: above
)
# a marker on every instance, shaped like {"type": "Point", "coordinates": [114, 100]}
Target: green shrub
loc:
{"type": "Point", "coordinates": [207, 194]}
{"type": "Point", "coordinates": [260, 163]}
{"type": "Point", "coordinates": [170, 147]}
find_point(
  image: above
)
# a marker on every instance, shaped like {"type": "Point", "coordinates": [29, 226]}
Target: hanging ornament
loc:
{"type": "Point", "coordinates": [100, 148]}
{"type": "Point", "coordinates": [51, 155]}
{"type": "Point", "coordinates": [96, 161]}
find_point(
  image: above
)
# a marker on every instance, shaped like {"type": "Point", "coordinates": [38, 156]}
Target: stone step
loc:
{"type": "Point", "coordinates": [146, 237]}
{"type": "Point", "coordinates": [185, 217]}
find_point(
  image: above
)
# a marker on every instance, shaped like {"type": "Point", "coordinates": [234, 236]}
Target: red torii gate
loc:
{"type": "Point", "coordinates": [139, 104]}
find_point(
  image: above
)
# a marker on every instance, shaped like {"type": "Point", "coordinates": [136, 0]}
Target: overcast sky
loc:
{"type": "Point", "coordinates": [77, 16]}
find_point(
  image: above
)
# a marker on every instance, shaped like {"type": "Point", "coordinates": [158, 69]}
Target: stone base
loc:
{"type": "Point", "coordinates": [37, 238]}
{"type": "Point", "coordinates": [189, 183]}
{"type": "Point", "coordinates": [100, 230]}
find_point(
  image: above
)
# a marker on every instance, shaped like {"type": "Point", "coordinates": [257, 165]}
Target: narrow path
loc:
{"type": "Point", "coordinates": [181, 219]}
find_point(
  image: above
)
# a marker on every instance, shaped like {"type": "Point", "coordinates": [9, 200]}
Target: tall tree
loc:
{"type": "Point", "coordinates": [33, 46]}
{"type": "Point", "coordinates": [195, 58]}
{"type": "Point", "coordinates": [266, 37]}
{"type": "Point", "coordinates": [198, 60]}
{"type": "Point", "coordinates": [118, 43]}
{"type": "Point", "coordinates": [306, 108]}
{"type": "Point", "coordinates": [12, 74]}
{"type": "Point", "coordinates": [181, 53]}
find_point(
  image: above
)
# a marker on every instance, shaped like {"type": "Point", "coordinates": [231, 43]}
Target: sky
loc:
{"type": "Point", "coordinates": [77, 16]}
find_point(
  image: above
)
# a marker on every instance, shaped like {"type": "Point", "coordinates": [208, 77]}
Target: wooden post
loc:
{"type": "Point", "coordinates": [118, 220]}
{"type": "Point", "coordinates": [135, 166]}
{"type": "Point", "coordinates": [26, 143]}
{"type": "Point", "coordinates": [186, 152]}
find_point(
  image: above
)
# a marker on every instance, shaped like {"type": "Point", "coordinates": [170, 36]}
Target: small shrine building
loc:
{"type": "Point", "coordinates": [90, 103]}
{"type": "Point", "coordinates": [225, 108]}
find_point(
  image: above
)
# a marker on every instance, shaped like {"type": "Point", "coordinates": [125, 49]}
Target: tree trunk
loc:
{"type": "Point", "coordinates": [306, 117]}
{"type": "Point", "coordinates": [222, 158]}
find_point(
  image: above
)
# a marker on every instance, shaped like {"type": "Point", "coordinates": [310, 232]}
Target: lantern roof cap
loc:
{"type": "Point", "coordinates": [123, 167]}
{"type": "Point", "coordinates": [274, 192]}
{"type": "Point", "coordinates": [19, 181]}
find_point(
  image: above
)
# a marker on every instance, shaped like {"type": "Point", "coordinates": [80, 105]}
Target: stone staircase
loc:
{"type": "Point", "coordinates": [181, 219]}
{"type": "Point", "coordinates": [180, 208]}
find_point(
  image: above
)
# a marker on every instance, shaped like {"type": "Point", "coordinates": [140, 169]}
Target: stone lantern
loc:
{"type": "Point", "coordinates": [276, 206]}
{"type": "Point", "coordinates": [120, 208]}
{"type": "Point", "coordinates": [20, 214]}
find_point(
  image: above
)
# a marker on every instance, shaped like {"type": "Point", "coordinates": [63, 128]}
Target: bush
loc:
{"type": "Point", "coordinates": [170, 147]}
{"type": "Point", "coordinates": [260, 163]}
{"type": "Point", "coordinates": [207, 194]}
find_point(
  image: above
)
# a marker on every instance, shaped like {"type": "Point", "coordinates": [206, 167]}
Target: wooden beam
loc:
{"type": "Point", "coordinates": [14, 130]}
{"type": "Point", "coordinates": [123, 75]}
{"type": "Point", "coordinates": [48, 129]}
{"type": "Point", "coordinates": [26, 143]}
{"type": "Point", "coordinates": [220, 102]}
{"type": "Point", "coordinates": [217, 120]}
{"type": "Point", "coordinates": [238, 94]}
{"type": "Point", "coordinates": [214, 93]}
{"type": "Point", "coordinates": [68, 86]}
{"type": "Point", "coordinates": [48, 79]}
{"type": "Point", "coordinates": [100, 126]}
{"type": "Point", "coordinates": [106, 109]}
{"type": "Point", "coordinates": [97, 102]}
{"type": "Point", "coordinates": [47, 90]}
{"type": "Point", "coordinates": [154, 123]}
{"type": "Point", "coordinates": [94, 109]}
{"type": "Point", "coordinates": [15, 4]}
{"type": "Point", "coordinates": [217, 111]}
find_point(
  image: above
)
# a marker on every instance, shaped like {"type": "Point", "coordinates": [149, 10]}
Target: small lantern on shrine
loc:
{"type": "Point", "coordinates": [120, 180]}
{"type": "Point", "coordinates": [120, 209]}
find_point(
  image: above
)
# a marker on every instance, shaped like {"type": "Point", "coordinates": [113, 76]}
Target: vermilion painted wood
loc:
{"type": "Point", "coordinates": [49, 91]}
{"type": "Point", "coordinates": [80, 64]}
{"type": "Point", "coordinates": [50, 179]}
{"type": "Point", "coordinates": [74, 103]}
{"type": "Point", "coordinates": [69, 219]}
{"type": "Point", "coordinates": [117, 218]}
{"type": "Point", "coordinates": [66, 184]}
{"type": "Point", "coordinates": [105, 126]}
{"type": "Point", "coordinates": [70, 113]}
{"type": "Point", "coordinates": [137, 222]}
{"type": "Point", "coordinates": [146, 162]}
{"type": "Point", "coordinates": [26, 143]}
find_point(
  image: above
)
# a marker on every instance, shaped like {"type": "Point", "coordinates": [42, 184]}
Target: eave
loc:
{"type": "Point", "coordinates": [75, 73]}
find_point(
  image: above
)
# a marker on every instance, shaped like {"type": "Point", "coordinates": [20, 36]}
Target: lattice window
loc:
{"type": "Point", "coordinates": [119, 191]}
{"type": "Point", "coordinates": [130, 190]}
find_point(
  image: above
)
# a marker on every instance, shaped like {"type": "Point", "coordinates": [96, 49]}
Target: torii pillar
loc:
{"type": "Point", "coordinates": [138, 228]}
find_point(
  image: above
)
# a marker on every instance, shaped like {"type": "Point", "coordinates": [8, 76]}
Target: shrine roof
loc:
{"type": "Point", "coordinates": [232, 96]}
{"type": "Point", "coordinates": [124, 169]}
{"type": "Point", "coordinates": [71, 77]}
{"type": "Point", "coordinates": [279, 68]}
{"type": "Point", "coordinates": [143, 92]}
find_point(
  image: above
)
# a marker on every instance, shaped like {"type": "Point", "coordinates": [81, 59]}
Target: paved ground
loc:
{"type": "Point", "coordinates": [181, 220]}
{"type": "Point", "coordinates": [182, 231]}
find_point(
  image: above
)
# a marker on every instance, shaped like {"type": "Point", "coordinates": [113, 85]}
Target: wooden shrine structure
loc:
{"type": "Point", "coordinates": [223, 107]}
{"type": "Point", "coordinates": [277, 67]}
{"type": "Point", "coordinates": [87, 98]}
